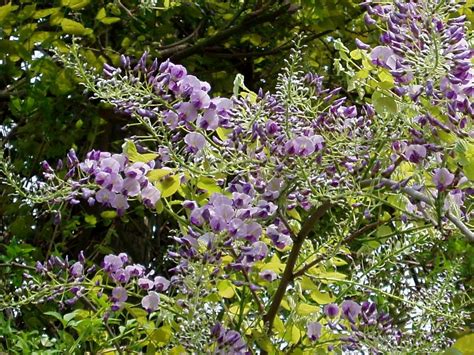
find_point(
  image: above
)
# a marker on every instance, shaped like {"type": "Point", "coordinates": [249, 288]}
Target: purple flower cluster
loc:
{"type": "Point", "coordinates": [126, 276]}
{"type": "Point", "coordinates": [227, 341]}
{"type": "Point", "coordinates": [109, 179]}
{"type": "Point", "coordinates": [235, 221]}
{"type": "Point", "coordinates": [120, 271]}
{"type": "Point", "coordinates": [182, 100]}
{"type": "Point", "coordinates": [356, 322]}
{"type": "Point", "coordinates": [427, 51]}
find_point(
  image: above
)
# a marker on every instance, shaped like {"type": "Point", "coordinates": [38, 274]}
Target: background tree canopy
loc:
{"type": "Point", "coordinates": [46, 109]}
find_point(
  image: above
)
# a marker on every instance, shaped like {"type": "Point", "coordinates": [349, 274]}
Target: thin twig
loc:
{"type": "Point", "coordinates": [419, 196]}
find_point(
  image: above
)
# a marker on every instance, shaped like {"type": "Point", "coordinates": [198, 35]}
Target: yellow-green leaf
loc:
{"type": "Point", "coordinates": [178, 350]}
{"type": "Point", "coordinates": [101, 14]}
{"type": "Point", "coordinates": [162, 335]}
{"type": "Point", "coordinates": [72, 27]}
{"type": "Point", "coordinates": [279, 326]}
{"type": "Point", "coordinates": [130, 150]}
{"type": "Point", "coordinates": [384, 103]}
{"type": "Point", "coordinates": [293, 334]}
{"type": "Point", "coordinates": [109, 214]}
{"type": "Point", "coordinates": [333, 275]}
{"type": "Point", "coordinates": [294, 213]}
{"type": "Point", "coordinates": [306, 309]}
{"type": "Point", "coordinates": [109, 20]}
{"type": "Point", "coordinates": [225, 289]}
{"type": "Point", "coordinates": [307, 284]}
{"type": "Point", "coordinates": [6, 9]}
{"type": "Point", "coordinates": [263, 341]}
{"type": "Point", "coordinates": [75, 4]}
{"type": "Point", "coordinates": [274, 265]}
{"type": "Point", "coordinates": [90, 219]}
{"type": "Point", "coordinates": [338, 261]}
{"type": "Point", "coordinates": [208, 184]}
{"type": "Point", "coordinates": [168, 185]}
{"type": "Point", "coordinates": [223, 133]}
{"type": "Point", "coordinates": [157, 174]}
{"type": "Point", "coordinates": [322, 297]}
{"type": "Point", "coordinates": [356, 54]}
{"type": "Point", "coordinates": [45, 12]}
{"type": "Point", "coordinates": [465, 344]}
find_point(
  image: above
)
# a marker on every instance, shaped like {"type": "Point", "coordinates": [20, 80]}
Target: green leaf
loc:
{"type": "Point", "coordinates": [157, 174]}
{"type": "Point", "coordinates": [263, 341]}
{"type": "Point", "coordinates": [108, 214]}
{"type": "Point", "coordinates": [6, 9]}
{"type": "Point", "coordinates": [72, 27]}
{"type": "Point", "coordinates": [293, 334]}
{"type": "Point", "coordinates": [75, 4]}
{"type": "Point", "coordinates": [162, 335]}
{"type": "Point", "coordinates": [56, 315]}
{"type": "Point", "coordinates": [225, 289]}
{"type": "Point", "coordinates": [110, 20]}
{"type": "Point", "coordinates": [307, 284]}
{"type": "Point", "coordinates": [45, 12]}
{"type": "Point", "coordinates": [383, 231]}
{"type": "Point", "coordinates": [208, 184]}
{"type": "Point", "coordinates": [356, 54]}
{"type": "Point", "coordinates": [304, 309]}
{"type": "Point", "coordinates": [90, 219]}
{"type": "Point", "coordinates": [130, 150]}
{"type": "Point", "coordinates": [465, 344]}
{"type": "Point", "coordinates": [101, 14]}
{"type": "Point", "coordinates": [168, 186]}
{"type": "Point", "coordinates": [223, 133]}
{"type": "Point", "coordinates": [384, 104]}
{"type": "Point", "coordinates": [322, 297]}
{"type": "Point", "coordinates": [294, 214]}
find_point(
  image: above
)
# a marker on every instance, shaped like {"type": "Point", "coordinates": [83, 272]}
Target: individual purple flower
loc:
{"type": "Point", "coordinates": [227, 341]}
{"type": "Point", "coordinates": [302, 146]}
{"type": "Point", "coordinates": [130, 186]}
{"type": "Point", "coordinates": [314, 330]}
{"type": "Point", "coordinates": [200, 99]}
{"type": "Point", "coordinates": [119, 294]}
{"type": "Point", "coordinates": [252, 231]}
{"type": "Point", "coordinates": [161, 284]}
{"type": "Point", "coordinates": [268, 275]}
{"type": "Point", "coordinates": [208, 120]}
{"type": "Point", "coordinates": [110, 165]}
{"type": "Point", "coordinates": [145, 283]}
{"type": "Point", "coordinates": [150, 196]}
{"type": "Point", "coordinates": [105, 197]}
{"type": "Point", "coordinates": [361, 45]}
{"type": "Point", "coordinates": [442, 178]}
{"type": "Point", "coordinates": [76, 269]}
{"type": "Point", "coordinates": [120, 203]}
{"type": "Point", "coordinates": [415, 153]}
{"type": "Point", "coordinates": [273, 188]}
{"type": "Point", "coordinates": [257, 251]}
{"type": "Point", "coordinates": [187, 112]}
{"type": "Point", "coordinates": [135, 270]}
{"type": "Point", "coordinates": [112, 263]}
{"type": "Point", "coordinates": [177, 71]}
{"type": "Point", "coordinates": [195, 141]}
{"type": "Point", "coordinates": [331, 310]}
{"type": "Point", "coordinates": [350, 310]}
{"type": "Point", "coordinates": [151, 301]}
{"type": "Point", "coordinates": [121, 276]}
{"type": "Point", "coordinates": [383, 56]}
{"type": "Point", "coordinates": [171, 119]}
